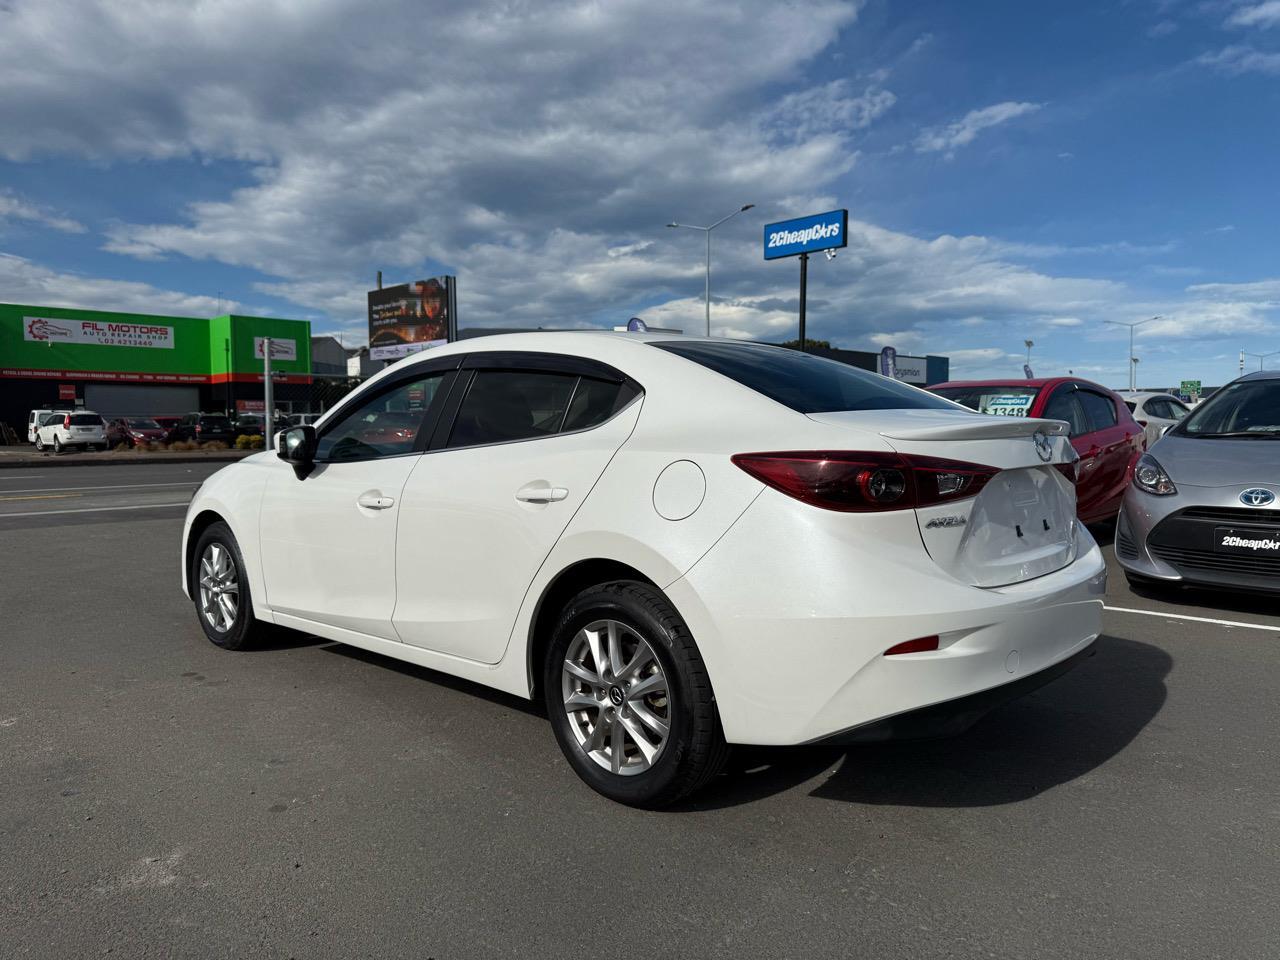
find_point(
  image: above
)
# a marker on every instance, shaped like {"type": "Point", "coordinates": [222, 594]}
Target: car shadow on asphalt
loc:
{"type": "Point", "coordinates": [1052, 736]}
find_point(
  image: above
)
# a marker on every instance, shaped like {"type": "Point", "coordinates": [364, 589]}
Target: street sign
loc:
{"type": "Point", "coordinates": [819, 231]}
{"type": "Point", "coordinates": [1190, 388]}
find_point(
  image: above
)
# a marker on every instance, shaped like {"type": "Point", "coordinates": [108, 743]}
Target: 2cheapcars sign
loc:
{"type": "Point", "coordinates": [102, 333]}
{"type": "Point", "coordinates": [819, 231]}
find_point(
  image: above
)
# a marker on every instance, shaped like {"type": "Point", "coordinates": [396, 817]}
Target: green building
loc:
{"type": "Point", "coordinates": [122, 364]}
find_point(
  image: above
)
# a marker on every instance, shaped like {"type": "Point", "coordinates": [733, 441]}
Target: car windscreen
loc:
{"type": "Point", "coordinates": [801, 381]}
{"type": "Point", "coordinates": [143, 424]}
{"type": "Point", "coordinates": [995, 399]}
{"type": "Point", "coordinates": [1246, 409]}
{"type": "Point", "coordinates": [86, 420]}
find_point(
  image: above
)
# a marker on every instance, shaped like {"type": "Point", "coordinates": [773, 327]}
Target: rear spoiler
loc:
{"type": "Point", "coordinates": [980, 428]}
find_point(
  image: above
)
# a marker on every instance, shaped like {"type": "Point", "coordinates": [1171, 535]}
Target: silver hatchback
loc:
{"type": "Point", "coordinates": [1203, 507]}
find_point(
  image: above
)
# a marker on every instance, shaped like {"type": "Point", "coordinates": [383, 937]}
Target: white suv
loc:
{"type": "Point", "coordinates": [84, 428]}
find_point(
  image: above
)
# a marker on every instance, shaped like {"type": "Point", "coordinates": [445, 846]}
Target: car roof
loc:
{"type": "Point", "coordinates": [1262, 375]}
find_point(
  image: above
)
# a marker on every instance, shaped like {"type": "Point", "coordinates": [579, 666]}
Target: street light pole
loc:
{"type": "Point", "coordinates": [707, 230]}
{"type": "Point", "coordinates": [268, 391]}
{"type": "Point", "coordinates": [1260, 356]}
{"type": "Point", "coordinates": [1133, 365]}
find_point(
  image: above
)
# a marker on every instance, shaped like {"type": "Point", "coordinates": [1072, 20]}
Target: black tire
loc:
{"type": "Point", "coordinates": [244, 631]}
{"type": "Point", "coordinates": [695, 749]}
{"type": "Point", "coordinates": [39, 444]}
{"type": "Point", "coordinates": [57, 444]}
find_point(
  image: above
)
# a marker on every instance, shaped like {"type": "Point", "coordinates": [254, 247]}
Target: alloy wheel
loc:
{"type": "Point", "coordinates": [219, 587]}
{"type": "Point", "coordinates": [616, 696]}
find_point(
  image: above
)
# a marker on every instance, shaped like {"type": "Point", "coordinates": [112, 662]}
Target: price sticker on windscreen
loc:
{"type": "Point", "coordinates": [1006, 405]}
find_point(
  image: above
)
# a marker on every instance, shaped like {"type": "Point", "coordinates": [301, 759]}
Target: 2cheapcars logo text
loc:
{"type": "Point", "coordinates": [821, 231]}
{"type": "Point", "coordinates": [1234, 541]}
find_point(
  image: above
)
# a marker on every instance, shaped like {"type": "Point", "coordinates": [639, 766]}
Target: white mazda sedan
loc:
{"type": "Point", "coordinates": [675, 543]}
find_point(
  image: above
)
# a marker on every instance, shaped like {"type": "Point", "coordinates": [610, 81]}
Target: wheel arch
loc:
{"type": "Point", "coordinates": [201, 522]}
{"type": "Point", "coordinates": [569, 582]}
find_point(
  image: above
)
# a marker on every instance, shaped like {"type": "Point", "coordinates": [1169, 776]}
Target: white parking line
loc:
{"type": "Point", "coordinates": [25, 476]}
{"type": "Point", "coordinates": [1183, 616]}
{"type": "Point", "coordinates": [49, 513]}
{"type": "Point", "coordinates": [110, 486]}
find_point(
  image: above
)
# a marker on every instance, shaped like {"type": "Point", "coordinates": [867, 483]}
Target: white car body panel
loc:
{"type": "Point", "coordinates": [462, 514]}
{"type": "Point", "coordinates": [327, 557]}
{"type": "Point", "coordinates": [792, 606]}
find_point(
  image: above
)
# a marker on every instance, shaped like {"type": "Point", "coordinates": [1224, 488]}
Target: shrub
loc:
{"type": "Point", "coordinates": [252, 441]}
{"type": "Point", "coordinates": [184, 445]}
{"type": "Point", "coordinates": [212, 445]}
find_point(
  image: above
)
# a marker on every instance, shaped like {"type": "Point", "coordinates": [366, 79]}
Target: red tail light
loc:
{"type": "Point", "coordinates": [855, 482]}
{"type": "Point", "coordinates": [66, 422]}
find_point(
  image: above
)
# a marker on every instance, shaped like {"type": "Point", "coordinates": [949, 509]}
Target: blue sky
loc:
{"type": "Point", "coordinates": [1012, 170]}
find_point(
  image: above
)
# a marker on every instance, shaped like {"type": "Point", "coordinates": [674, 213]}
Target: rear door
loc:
{"type": "Point", "coordinates": [526, 439]}
{"type": "Point", "coordinates": [1111, 446]}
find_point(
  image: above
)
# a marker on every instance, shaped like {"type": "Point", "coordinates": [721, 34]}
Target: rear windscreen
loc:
{"type": "Point", "coordinates": [801, 381]}
{"type": "Point", "coordinates": [86, 420]}
{"type": "Point", "coordinates": [217, 423]}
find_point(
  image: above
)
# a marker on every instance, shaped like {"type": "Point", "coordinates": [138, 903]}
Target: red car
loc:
{"type": "Point", "coordinates": [130, 431]}
{"type": "Point", "coordinates": [1103, 430]}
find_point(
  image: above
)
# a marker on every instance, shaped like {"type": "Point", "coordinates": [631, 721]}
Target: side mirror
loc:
{"type": "Point", "coordinates": [297, 445]}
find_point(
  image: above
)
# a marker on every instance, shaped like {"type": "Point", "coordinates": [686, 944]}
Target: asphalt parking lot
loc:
{"type": "Point", "coordinates": [163, 798]}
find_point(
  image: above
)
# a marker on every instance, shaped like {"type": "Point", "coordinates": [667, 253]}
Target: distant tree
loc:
{"type": "Point", "coordinates": [809, 344]}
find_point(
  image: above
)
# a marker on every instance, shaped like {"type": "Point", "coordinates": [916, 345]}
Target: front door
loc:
{"type": "Point", "coordinates": [328, 538]}
{"type": "Point", "coordinates": [481, 512]}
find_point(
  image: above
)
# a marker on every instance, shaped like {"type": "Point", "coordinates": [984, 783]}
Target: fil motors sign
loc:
{"type": "Point", "coordinates": [811, 234]}
{"type": "Point", "coordinates": [102, 333]}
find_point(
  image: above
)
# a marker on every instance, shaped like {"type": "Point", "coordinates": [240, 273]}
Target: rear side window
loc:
{"type": "Point", "coordinates": [505, 405]}
{"type": "Point", "coordinates": [1099, 409]}
{"type": "Point", "coordinates": [801, 381]}
{"type": "Point", "coordinates": [86, 420]}
{"type": "Point", "coordinates": [594, 402]}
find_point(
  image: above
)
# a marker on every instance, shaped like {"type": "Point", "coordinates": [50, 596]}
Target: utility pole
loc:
{"type": "Point", "coordinates": [268, 393]}
{"type": "Point", "coordinates": [804, 293]}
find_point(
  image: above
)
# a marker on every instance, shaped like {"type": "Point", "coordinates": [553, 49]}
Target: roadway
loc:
{"type": "Point", "coordinates": [161, 797]}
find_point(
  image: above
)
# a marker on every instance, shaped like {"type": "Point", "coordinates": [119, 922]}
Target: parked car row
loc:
{"type": "Point", "coordinates": [59, 429]}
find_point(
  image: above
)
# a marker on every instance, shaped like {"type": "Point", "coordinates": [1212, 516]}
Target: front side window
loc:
{"type": "Point", "coordinates": [506, 405]}
{"type": "Point", "coordinates": [385, 425]}
{"type": "Point", "coordinates": [801, 381]}
{"type": "Point", "coordinates": [1065, 405]}
{"type": "Point", "coordinates": [1099, 409]}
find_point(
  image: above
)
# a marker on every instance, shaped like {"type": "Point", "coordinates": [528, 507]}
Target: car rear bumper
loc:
{"type": "Point", "coordinates": [952, 717]}
{"type": "Point", "coordinates": [798, 655]}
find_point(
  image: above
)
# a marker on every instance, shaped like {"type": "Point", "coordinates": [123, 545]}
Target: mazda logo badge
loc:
{"type": "Point", "coordinates": [1257, 497]}
{"type": "Point", "coordinates": [1044, 449]}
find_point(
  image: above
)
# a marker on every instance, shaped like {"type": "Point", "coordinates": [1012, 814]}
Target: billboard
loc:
{"type": "Point", "coordinates": [819, 231]}
{"type": "Point", "coordinates": [410, 317]}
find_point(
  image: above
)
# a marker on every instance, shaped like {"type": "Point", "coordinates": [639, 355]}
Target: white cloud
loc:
{"type": "Point", "coordinates": [1241, 59]}
{"type": "Point", "coordinates": [1266, 14]}
{"type": "Point", "coordinates": [963, 131]}
{"type": "Point", "coordinates": [1064, 322]}
{"type": "Point", "coordinates": [13, 207]}
{"type": "Point", "coordinates": [1162, 28]}
{"type": "Point", "coordinates": [25, 282]}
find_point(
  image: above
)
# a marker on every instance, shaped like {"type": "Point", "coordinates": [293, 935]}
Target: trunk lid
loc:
{"type": "Point", "coordinates": [1022, 524]}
